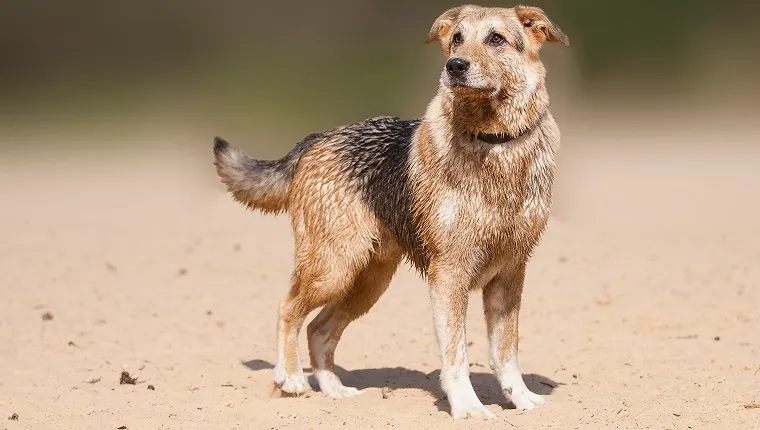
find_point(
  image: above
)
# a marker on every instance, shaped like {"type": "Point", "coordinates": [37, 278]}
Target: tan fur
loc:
{"type": "Point", "coordinates": [480, 210]}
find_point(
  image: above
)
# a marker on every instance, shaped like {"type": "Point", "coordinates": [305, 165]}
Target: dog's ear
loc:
{"type": "Point", "coordinates": [442, 26]}
{"type": "Point", "coordinates": [537, 23]}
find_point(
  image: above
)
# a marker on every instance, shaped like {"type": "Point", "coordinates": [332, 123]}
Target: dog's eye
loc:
{"type": "Point", "coordinates": [496, 39]}
{"type": "Point", "coordinates": [457, 39]}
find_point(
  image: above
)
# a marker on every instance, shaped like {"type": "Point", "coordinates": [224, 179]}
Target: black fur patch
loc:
{"type": "Point", "coordinates": [375, 155]}
{"type": "Point", "coordinates": [220, 145]}
{"type": "Point", "coordinates": [290, 161]}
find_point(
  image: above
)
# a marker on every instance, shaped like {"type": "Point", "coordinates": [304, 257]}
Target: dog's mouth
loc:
{"type": "Point", "coordinates": [466, 88]}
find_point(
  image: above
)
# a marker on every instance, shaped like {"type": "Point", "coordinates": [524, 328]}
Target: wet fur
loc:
{"type": "Point", "coordinates": [465, 213]}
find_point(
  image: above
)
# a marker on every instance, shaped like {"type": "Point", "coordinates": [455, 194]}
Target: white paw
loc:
{"type": "Point", "coordinates": [294, 384]}
{"type": "Point", "coordinates": [463, 400]}
{"type": "Point", "coordinates": [471, 411]}
{"type": "Point", "coordinates": [330, 384]}
{"type": "Point", "coordinates": [291, 384]}
{"type": "Point", "coordinates": [525, 400]}
{"type": "Point", "coordinates": [513, 385]}
{"type": "Point", "coordinates": [342, 392]}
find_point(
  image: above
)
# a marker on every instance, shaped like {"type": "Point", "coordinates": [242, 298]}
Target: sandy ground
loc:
{"type": "Point", "coordinates": [145, 265]}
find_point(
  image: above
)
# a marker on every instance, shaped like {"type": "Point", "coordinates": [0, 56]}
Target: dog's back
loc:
{"type": "Point", "coordinates": [365, 162]}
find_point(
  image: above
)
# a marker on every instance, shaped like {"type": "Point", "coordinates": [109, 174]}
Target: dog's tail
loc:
{"type": "Point", "coordinates": [258, 184]}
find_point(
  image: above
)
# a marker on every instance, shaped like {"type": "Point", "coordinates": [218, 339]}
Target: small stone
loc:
{"type": "Point", "coordinates": [386, 392]}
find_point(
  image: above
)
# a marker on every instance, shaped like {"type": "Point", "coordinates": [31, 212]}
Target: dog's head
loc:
{"type": "Point", "coordinates": [493, 51]}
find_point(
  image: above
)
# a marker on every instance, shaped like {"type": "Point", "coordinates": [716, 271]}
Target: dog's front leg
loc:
{"type": "Point", "coordinates": [501, 304]}
{"type": "Point", "coordinates": [449, 295]}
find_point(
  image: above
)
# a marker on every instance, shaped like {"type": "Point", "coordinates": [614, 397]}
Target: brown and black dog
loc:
{"type": "Point", "coordinates": [464, 194]}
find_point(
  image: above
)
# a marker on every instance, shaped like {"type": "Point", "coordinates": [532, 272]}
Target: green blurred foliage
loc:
{"type": "Point", "coordinates": [336, 58]}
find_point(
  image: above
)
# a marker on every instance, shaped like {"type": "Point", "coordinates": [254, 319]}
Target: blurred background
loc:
{"type": "Point", "coordinates": [640, 79]}
{"type": "Point", "coordinates": [121, 251]}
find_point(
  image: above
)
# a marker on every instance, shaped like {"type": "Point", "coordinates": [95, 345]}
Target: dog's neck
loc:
{"type": "Point", "coordinates": [509, 113]}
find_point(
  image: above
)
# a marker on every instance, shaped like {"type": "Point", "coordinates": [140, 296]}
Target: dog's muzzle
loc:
{"type": "Point", "coordinates": [456, 68]}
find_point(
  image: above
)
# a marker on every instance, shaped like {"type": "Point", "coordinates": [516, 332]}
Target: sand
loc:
{"type": "Point", "coordinates": [647, 315]}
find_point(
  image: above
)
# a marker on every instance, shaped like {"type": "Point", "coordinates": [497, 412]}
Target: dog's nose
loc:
{"type": "Point", "coordinates": [457, 67]}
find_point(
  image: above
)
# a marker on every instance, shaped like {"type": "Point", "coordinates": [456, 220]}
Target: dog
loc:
{"type": "Point", "coordinates": [464, 194]}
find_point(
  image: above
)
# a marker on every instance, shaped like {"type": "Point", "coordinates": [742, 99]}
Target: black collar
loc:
{"type": "Point", "coordinates": [497, 139]}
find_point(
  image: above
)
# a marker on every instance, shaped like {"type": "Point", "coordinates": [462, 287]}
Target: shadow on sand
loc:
{"type": "Point", "coordinates": [485, 383]}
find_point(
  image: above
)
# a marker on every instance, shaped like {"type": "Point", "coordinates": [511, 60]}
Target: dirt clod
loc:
{"type": "Point", "coordinates": [13, 417]}
{"type": "Point", "coordinates": [47, 316]}
{"type": "Point", "coordinates": [151, 387]}
{"type": "Point", "coordinates": [126, 379]}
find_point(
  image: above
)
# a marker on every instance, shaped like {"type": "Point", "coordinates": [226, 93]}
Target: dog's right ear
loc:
{"type": "Point", "coordinates": [442, 26]}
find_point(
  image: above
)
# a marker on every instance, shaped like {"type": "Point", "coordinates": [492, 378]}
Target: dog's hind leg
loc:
{"type": "Point", "coordinates": [325, 269]}
{"type": "Point", "coordinates": [316, 282]}
{"type": "Point", "coordinates": [288, 372]}
{"type": "Point", "coordinates": [325, 330]}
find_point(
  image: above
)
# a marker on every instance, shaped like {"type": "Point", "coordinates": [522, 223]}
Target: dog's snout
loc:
{"type": "Point", "coordinates": [456, 67]}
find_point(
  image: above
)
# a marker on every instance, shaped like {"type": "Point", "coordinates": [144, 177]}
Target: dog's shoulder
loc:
{"type": "Point", "coordinates": [374, 155]}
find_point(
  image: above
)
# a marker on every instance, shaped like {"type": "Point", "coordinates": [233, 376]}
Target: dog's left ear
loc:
{"type": "Point", "coordinates": [442, 25]}
{"type": "Point", "coordinates": [536, 22]}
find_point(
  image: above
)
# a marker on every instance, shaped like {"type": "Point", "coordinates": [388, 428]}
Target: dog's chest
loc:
{"type": "Point", "coordinates": [501, 199]}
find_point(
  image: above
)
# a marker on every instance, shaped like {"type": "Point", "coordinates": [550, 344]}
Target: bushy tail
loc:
{"type": "Point", "coordinates": [258, 184]}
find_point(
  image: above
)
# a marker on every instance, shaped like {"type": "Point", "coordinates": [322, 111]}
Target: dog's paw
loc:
{"type": "Point", "coordinates": [330, 384]}
{"type": "Point", "coordinates": [525, 400]}
{"type": "Point", "coordinates": [342, 392]}
{"type": "Point", "coordinates": [293, 384]}
{"type": "Point", "coordinates": [471, 411]}
{"type": "Point", "coordinates": [465, 404]}
{"type": "Point", "coordinates": [462, 398]}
